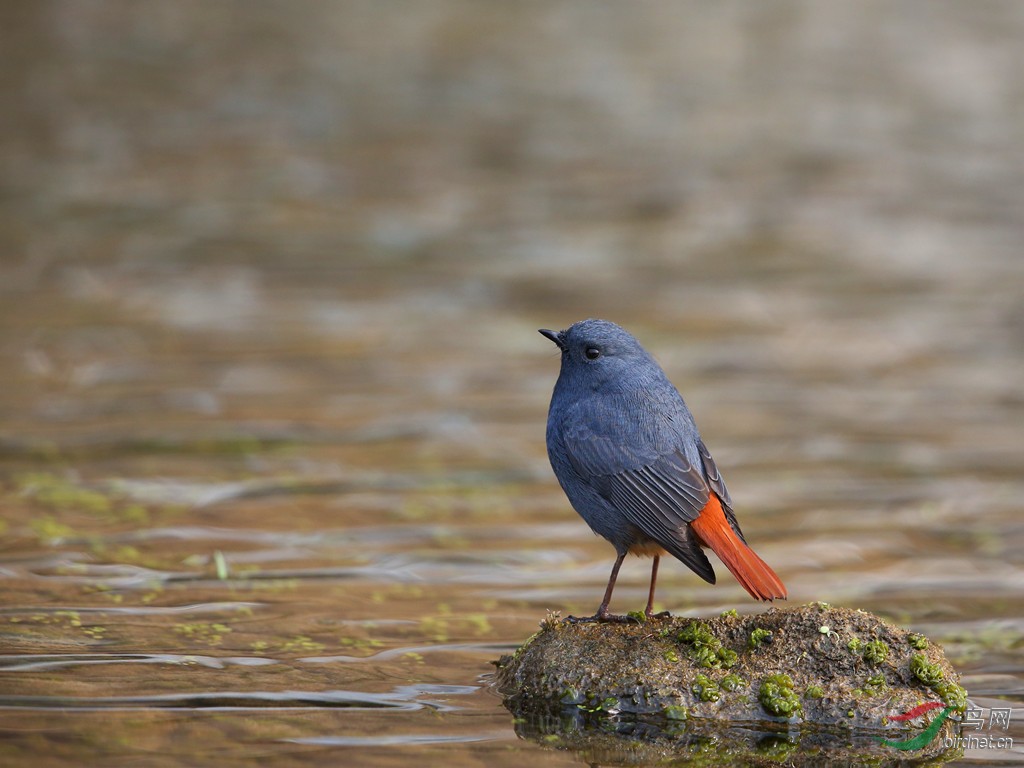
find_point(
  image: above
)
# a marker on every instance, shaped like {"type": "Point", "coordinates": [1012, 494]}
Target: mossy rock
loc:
{"type": "Point", "coordinates": [822, 677]}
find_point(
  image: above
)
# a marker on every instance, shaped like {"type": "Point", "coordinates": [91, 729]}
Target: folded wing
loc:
{"type": "Point", "coordinates": [659, 495]}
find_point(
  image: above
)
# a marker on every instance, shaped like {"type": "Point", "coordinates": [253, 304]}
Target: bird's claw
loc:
{"type": "Point", "coordinates": [605, 618]}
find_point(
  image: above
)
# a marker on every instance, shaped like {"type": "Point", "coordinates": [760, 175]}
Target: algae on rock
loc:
{"type": "Point", "coordinates": [814, 666]}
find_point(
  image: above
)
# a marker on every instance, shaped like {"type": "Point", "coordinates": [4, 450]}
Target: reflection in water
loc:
{"type": "Point", "coordinates": [666, 742]}
{"type": "Point", "coordinates": [272, 412]}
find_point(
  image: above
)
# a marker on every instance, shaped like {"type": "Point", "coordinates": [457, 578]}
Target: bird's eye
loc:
{"type": "Point", "coordinates": [592, 353]}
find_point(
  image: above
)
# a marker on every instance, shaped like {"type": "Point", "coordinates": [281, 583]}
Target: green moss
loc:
{"type": "Point", "coordinates": [932, 675]}
{"type": "Point", "coordinates": [727, 658]}
{"type": "Point", "coordinates": [929, 674]}
{"type": "Point", "coordinates": [705, 688]}
{"type": "Point", "coordinates": [696, 633]}
{"type": "Point", "coordinates": [589, 704]}
{"type": "Point", "coordinates": [132, 513]}
{"type": "Point", "coordinates": [875, 652]}
{"type": "Point", "coordinates": [758, 637]}
{"type": "Point", "coordinates": [638, 616]}
{"type": "Point", "coordinates": [48, 529]}
{"type": "Point", "coordinates": [479, 623]}
{"type": "Point", "coordinates": [59, 494]}
{"type": "Point", "coordinates": [732, 682]}
{"type": "Point", "coordinates": [363, 645]}
{"type": "Point", "coordinates": [604, 705]}
{"type": "Point", "coordinates": [271, 585]}
{"type": "Point", "coordinates": [705, 656]}
{"type": "Point", "coordinates": [73, 618]}
{"type": "Point", "coordinates": [64, 620]}
{"type": "Point", "coordinates": [953, 695]}
{"type": "Point", "coordinates": [436, 628]}
{"type": "Point", "coordinates": [778, 697]}
{"type": "Point", "coordinates": [676, 712]}
{"type": "Point", "coordinates": [731, 613]}
{"type": "Point", "coordinates": [705, 649]}
{"type": "Point", "coordinates": [301, 643]}
{"type": "Point", "coordinates": [854, 645]}
{"type": "Point", "coordinates": [203, 632]}
{"type": "Point", "coordinates": [920, 642]}
{"type": "Point", "coordinates": [777, 749]}
{"type": "Point", "coordinates": [822, 679]}
{"type": "Point", "coordinates": [872, 687]}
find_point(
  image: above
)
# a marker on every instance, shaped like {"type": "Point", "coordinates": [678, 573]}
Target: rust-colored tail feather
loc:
{"type": "Point", "coordinates": [751, 571]}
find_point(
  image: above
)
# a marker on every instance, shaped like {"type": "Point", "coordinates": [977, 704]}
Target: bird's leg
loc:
{"type": "Point", "coordinates": [654, 580]}
{"type": "Point", "coordinates": [602, 612]}
{"type": "Point", "coordinates": [649, 610]}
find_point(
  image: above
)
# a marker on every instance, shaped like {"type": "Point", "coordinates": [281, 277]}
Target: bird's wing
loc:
{"type": "Point", "coordinates": [657, 494]}
{"type": "Point", "coordinates": [715, 482]}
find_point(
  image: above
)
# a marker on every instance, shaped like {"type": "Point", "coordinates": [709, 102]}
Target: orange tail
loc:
{"type": "Point", "coordinates": [750, 570]}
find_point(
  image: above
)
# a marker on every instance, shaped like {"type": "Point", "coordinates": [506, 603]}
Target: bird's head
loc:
{"type": "Point", "coordinates": [598, 351]}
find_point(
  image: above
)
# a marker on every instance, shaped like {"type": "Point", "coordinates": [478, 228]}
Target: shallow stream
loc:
{"type": "Point", "coordinates": [272, 473]}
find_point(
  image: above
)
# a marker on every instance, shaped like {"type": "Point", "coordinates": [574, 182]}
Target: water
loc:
{"type": "Point", "coordinates": [271, 425]}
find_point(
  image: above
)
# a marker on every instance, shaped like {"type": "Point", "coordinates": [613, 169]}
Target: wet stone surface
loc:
{"type": "Point", "coordinates": [813, 666]}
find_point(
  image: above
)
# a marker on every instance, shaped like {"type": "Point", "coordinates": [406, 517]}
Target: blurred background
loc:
{"type": "Point", "coordinates": [273, 402]}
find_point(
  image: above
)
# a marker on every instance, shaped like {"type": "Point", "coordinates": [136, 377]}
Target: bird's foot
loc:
{"type": "Point", "coordinates": [603, 617]}
{"type": "Point", "coordinates": [659, 615]}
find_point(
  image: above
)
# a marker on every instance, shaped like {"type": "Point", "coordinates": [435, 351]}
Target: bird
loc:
{"type": "Point", "coordinates": [627, 452]}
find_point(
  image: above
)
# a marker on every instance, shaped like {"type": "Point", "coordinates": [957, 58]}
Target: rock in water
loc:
{"type": "Point", "coordinates": [804, 671]}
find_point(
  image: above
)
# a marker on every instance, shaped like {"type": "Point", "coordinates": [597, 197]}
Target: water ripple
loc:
{"type": "Point", "coordinates": [395, 653]}
{"type": "Point", "coordinates": [400, 740]}
{"type": "Point", "coordinates": [405, 698]}
{"type": "Point", "coordinates": [139, 610]}
{"type": "Point", "coordinates": [35, 662]}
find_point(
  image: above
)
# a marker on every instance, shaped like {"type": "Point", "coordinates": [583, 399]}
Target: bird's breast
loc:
{"type": "Point", "coordinates": [648, 548]}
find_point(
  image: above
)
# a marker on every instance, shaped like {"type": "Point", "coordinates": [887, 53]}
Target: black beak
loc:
{"type": "Point", "coordinates": [555, 336]}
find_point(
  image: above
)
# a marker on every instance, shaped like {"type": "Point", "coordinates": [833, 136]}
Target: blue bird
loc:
{"type": "Point", "coordinates": [627, 453]}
